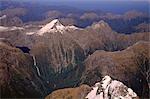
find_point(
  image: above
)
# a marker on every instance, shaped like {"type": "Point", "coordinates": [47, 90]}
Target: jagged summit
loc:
{"type": "Point", "coordinates": [100, 25]}
{"type": "Point", "coordinates": [109, 88]}
{"type": "Point", "coordinates": [53, 26]}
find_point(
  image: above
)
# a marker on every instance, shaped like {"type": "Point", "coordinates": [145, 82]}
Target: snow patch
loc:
{"type": "Point", "coordinates": [111, 88]}
{"type": "Point", "coordinates": [72, 27]}
{"type": "Point", "coordinates": [3, 17]}
{"type": "Point", "coordinates": [16, 28]}
{"type": "Point", "coordinates": [2, 28]}
{"type": "Point", "coordinates": [30, 33]}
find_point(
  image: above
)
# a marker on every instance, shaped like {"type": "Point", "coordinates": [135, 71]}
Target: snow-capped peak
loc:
{"type": "Point", "coordinates": [53, 26]}
{"type": "Point", "coordinates": [111, 89]}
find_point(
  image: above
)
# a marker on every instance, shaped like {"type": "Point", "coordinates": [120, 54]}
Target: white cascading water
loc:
{"type": "Point", "coordinates": [35, 64]}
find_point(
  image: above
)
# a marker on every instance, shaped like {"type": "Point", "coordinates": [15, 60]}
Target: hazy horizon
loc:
{"type": "Point", "coordinates": [115, 6]}
{"type": "Point", "coordinates": [74, 49]}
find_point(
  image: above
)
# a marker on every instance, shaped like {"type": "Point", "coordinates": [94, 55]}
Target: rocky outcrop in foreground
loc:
{"type": "Point", "coordinates": [111, 89]}
{"type": "Point", "coordinates": [105, 89]}
{"type": "Point", "coordinates": [70, 93]}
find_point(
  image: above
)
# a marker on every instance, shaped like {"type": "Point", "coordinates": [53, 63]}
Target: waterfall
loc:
{"type": "Point", "coordinates": [34, 60]}
{"type": "Point", "coordinates": [35, 64]}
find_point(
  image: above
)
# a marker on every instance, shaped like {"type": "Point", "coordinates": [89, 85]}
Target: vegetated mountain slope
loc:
{"type": "Point", "coordinates": [120, 65]}
{"type": "Point", "coordinates": [58, 51]}
{"type": "Point", "coordinates": [62, 50]}
{"type": "Point", "coordinates": [68, 44]}
{"type": "Point", "coordinates": [100, 36]}
{"type": "Point", "coordinates": [88, 39]}
{"type": "Point", "coordinates": [18, 74]}
{"type": "Point", "coordinates": [70, 93]}
{"type": "Point", "coordinates": [57, 56]}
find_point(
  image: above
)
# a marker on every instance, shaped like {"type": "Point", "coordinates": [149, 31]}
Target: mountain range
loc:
{"type": "Point", "coordinates": [73, 56]}
{"type": "Point", "coordinates": [39, 13]}
{"type": "Point", "coordinates": [59, 54]}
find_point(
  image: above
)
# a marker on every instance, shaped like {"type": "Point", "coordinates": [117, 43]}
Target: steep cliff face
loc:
{"type": "Point", "coordinates": [17, 76]}
{"type": "Point", "coordinates": [119, 65]}
{"type": "Point", "coordinates": [57, 55]}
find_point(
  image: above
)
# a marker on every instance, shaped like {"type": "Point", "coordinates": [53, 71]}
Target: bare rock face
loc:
{"type": "Point", "coordinates": [120, 65]}
{"type": "Point", "coordinates": [111, 89]}
{"type": "Point", "coordinates": [17, 76]}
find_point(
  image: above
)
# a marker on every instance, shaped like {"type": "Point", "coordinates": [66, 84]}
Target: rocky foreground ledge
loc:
{"type": "Point", "coordinates": [107, 88]}
{"type": "Point", "coordinates": [111, 89]}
